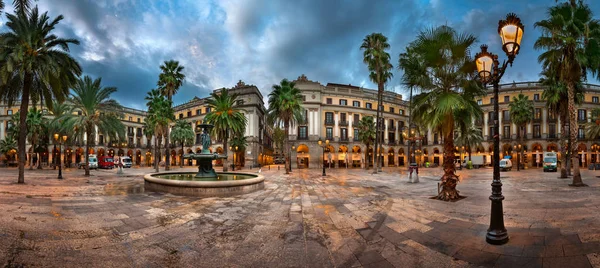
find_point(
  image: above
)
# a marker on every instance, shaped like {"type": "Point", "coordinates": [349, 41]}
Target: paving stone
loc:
{"type": "Point", "coordinates": [514, 261]}
{"type": "Point", "coordinates": [477, 257]}
{"type": "Point", "coordinates": [567, 262]}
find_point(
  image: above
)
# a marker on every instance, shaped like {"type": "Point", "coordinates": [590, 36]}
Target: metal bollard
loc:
{"type": "Point", "coordinates": [269, 167]}
{"type": "Point", "coordinates": [278, 167]}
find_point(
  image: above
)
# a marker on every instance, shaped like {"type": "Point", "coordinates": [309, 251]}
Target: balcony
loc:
{"type": "Point", "coordinates": [130, 133]}
{"type": "Point", "coordinates": [581, 137]}
{"type": "Point", "coordinates": [551, 120]}
{"type": "Point", "coordinates": [131, 145]}
{"type": "Point", "coordinates": [490, 121]}
{"type": "Point", "coordinates": [303, 138]}
{"type": "Point", "coordinates": [552, 136]}
{"type": "Point", "coordinates": [342, 123]}
{"type": "Point", "coordinates": [344, 139]}
{"type": "Point", "coordinates": [138, 145]}
{"type": "Point", "coordinates": [391, 128]}
{"type": "Point", "coordinates": [392, 143]}
{"type": "Point", "coordinates": [478, 122]}
{"type": "Point", "coordinates": [355, 123]}
{"type": "Point", "coordinates": [355, 139]}
{"type": "Point", "coordinates": [506, 121]}
{"type": "Point", "coordinates": [329, 123]}
{"type": "Point", "coordinates": [581, 120]}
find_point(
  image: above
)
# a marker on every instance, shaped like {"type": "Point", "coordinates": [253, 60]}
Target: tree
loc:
{"type": "Point", "coordinates": [285, 108]}
{"type": "Point", "coordinates": [571, 43]}
{"type": "Point", "coordinates": [169, 82]}
{"type": "Point", "coordinates": [160, 115]}
{"type": "Point", "coordinates": [278, 137]}
{"type": "Point", "coordinates": [225, 117]}
{"type": "Point", "coordinates": [471, 137]}
{"type": "Point", "coordinates": [378, 63]}
{"type": "Point", "coordinates": [239, 141]}
{"type": "Point", "coordinates": [33, 58]}
{"type": "Point", "coordinates": [8, 146]}
{"type": "Point", "coordinates": [438, 64]}
{"type": "Point", "coordinates": [149, 133]}
{"type": "Point", "coordinates": [182, 134]}
{"type": "Point", "coordinates": [521, 113]}
{"type": "Point", "coordinates": [98, 111]}
{"type": "Point", "coordinates": [57, 123]}
{"type": "Point", "coordinates": [366, 134]}
{"type": "Point", "coordinates": [592, 128]}
{"type": "Point", "coordinates": [22, 7]}
{"type": "Point", "coordinates": [35, 127]}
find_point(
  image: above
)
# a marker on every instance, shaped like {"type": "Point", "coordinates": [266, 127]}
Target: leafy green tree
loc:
{"type": "Point", "coordinates": [98, 111]}
{"type": "Point", "coordinates": [239, 141]}
{"type": "Point", "coordinates": [471, 137]}
{"type": "Point", "coordinates": [35, 127]}
{"type": "Point", "coordinates": [7, 146]}
{"type": "Point", "coordinates": [225, 116]}
{"type": "Point", "coordinates": [366, 135]}
{"type": "Point", "coordinates": [376, 57]}
{"type": "Point", "coordinates": [285, 108]}
{"type": "Point", "coordinates": [182, 134]}
{"type": "Point", "coordinates": [521, 113]}
{"type": "Point", "coordinates": [169, 82]}
{"type": "Point", "coordinates": [160, 116]}
{"type": "Point", "coordinates": [571, 43]}
{"type": "Point", "coordinates": [438, 64]}
{"type": "Point", "coordinates": [33, 59]}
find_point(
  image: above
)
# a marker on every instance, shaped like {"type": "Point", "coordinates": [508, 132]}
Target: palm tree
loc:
{"type": "Point", "coordinates": [571, 43]}
{"type": "Point", "coordinates": [35, 127]}
{"type": "Point", "coordinates": [169, 82]}
{"type": "Point", "coordinates": [33, 58]}
{"type": "Point", "coordinates": [7, 146]}
{"type": "Point", "coordinates": [378, 63]}
{"type": "Point", "coordinates": [366, 134]}
{"type": "Point", "coordinates": [278, 137]}
{"type": "Point", "coordinates": [240, 142]}
{"type": "Point", "coordinates": [285, 108]}
{"type": "Point", "coordinates": [438, 64]}
{"type": "Point", "coordinates": [98, 111]}
{"type": "Point", "coordinates": [521, 113]}
{"type": "Point", "coordinates": [160, 115]}
{"type": "Point", "coordinates": [471, 138]}
{"type": "Point", "coordinates": [183, 134]}
{"type": "Point", "coordinates": [149, 133]}
{"type": "Point", "coordinates": [592, 128]}
{"type": "Point", "coordinates": [22, 7]}
{"type": "Point", "coordinates": [225, 116]}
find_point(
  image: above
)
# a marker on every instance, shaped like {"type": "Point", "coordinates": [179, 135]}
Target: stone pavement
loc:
{"type": "Point", "coordinates": [350, 218]}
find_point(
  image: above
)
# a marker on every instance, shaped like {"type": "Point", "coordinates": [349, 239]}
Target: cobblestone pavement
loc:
{"type": "Point", "coordinates": [351, 218]}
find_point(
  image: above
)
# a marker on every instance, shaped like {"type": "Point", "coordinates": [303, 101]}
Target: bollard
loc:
{"type": "Point", "coordinates": [269, 167]}
{"type": "Point", "coordinates": [278, 167]}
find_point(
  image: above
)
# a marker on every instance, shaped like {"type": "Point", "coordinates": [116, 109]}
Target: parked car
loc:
{"type": "Point", "coordinates": [93, 161]}
{"type": "Point", "coordinates": [505, 164]}
{"type": "Point", "coordinates": [279, 161]}
{"type": "Point", "coordinates": [106, 162]}
{"type": "Point", "coordinates": [126, 160]}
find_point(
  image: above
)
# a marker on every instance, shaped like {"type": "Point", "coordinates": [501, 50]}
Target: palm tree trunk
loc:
{"type": "Point", "coordinates": [288, 163]}
{"type": "Point", "coordinates": [225, 149]}
{"type": "Point", "coordinates": [563, 152]}
{"type": "Point", "coordinates": [367, 158]}
{"type": "Point", "coordinates": [157, 154]}
{"type": "Point", "coordinates": [87, 154]}
{"type": "Point", "coordinates": [573, 135]}
{"type": "Point", "coordinates": [449, 179]}
{"type": "Point", "coordinates": [181, 161]}
{"type": "Point", "coordinates": [33, 153]}
{"type": "Point", "coordinates": [23, 125]}
{"type": "Point", "coordinates": [376, 149]}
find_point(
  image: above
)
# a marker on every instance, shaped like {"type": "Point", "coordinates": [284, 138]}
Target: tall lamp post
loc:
{"type": "Point", "coordinates": [234, 151]}
{"type": "Point", "coordinates": [490, 71]}
{"type": "Point", "coordinates": [518, 150]}
{"type": "Point", "coordinates": [293, 150]}
{"type": "Point", "coordinates": [60, 141]}
{"type": "Point", "coordinates": [323, 145]}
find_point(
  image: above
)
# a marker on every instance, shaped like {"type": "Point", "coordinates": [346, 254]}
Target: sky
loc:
{"type": "Point", "coordinates": [263, 41]}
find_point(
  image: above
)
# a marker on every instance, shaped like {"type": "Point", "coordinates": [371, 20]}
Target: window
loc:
{"type": "Point", "coordinates": [356, 103]}
{"type": "Point", "coordinates": [491, 100]}
{"type": "Point", "coordinates": [207, 109]}
{"type": "Point", "coordinates": [355, 134]}
{"type": "Point", "coordinates": [329, 133]}
{"type": "Point", "coordinates": [490, 117]}
{"type": "Point", "coordinates": [198, 111]}
{"type": "Point", "coordinates": [344, 134]}
{"type": "Point", "coordinates": [328, 118]}
{"type": "Point", "coordinates": [189, 114]}
{"type": "Point", "coordinates": [180, 116]}
{"type": "Point", "coordinates": [401, 112]}
{"type": "Point", "coordinates": [581, 116]}
{"type": "Point", "coordinates": [536, 97]}
{"type": "Point", "coordinates": [435, 138]}
{"type": "Point", "coordinates": [492, 133]}
{"type": "Point", "coordinates": [506, 132]}
{"type": "Point", "coordinates": [536, 131]}
{"type": "Point", "coordinates": [391, 137]}
{"type": "Point", "coordinates": [9, 112]}
{"type": "Point", "coordinates": [506, 99]}
{"type": "Point", "coordinates": [343, 102]}
{"type": "Point", "coordinates": [302, 133]}
{"type": "Point", "coordinates": [130, 119]}
{"type": "Point", "coordinates": [241, 102]}
{"type": "Point", "coordinates": [369, 106]}
{"type": "Point", "coordinates": [343, 117]}
{"type": "Point", "coordinates": [537, 113]}
{"type": "Point", "coordinates": [552, 131]}
{"type": "Point", "coordinates": [356, 118]}
{"type": "Point", "coordinates": [391, 109]}
{"type": "Point", "coordinates": [595, 99]}
{"type": "Point", "coordinates": [581, 133]}
{"type": "Point", "coordinates": [138, 119]}
{"type": "Point", "coordinates": [479, 102]}
{"type": "Point", "coordinates": [329, 101]}
{"type": "Point", "coordinates": [551, 115]}
{"type": "Point", "coordinates": [506, 115]}
{"type": "Point", "coordinates": [101, 139]}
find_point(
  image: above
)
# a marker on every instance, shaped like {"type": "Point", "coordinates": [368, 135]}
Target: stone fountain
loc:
{"type": "Point", "coordinates": [205, 157]}
{"type": "Point", "coordinates": [206, 182]}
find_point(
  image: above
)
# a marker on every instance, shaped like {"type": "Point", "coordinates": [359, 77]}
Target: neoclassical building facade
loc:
{"type": "Point", "coordinates": [139, 147]}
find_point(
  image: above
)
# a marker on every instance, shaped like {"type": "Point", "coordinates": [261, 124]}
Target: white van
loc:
{"type": "Point", "coordinates": [505, 164]}
{"type": "Point", "coordinates": [93, 161]}
{"type": "Point", "coordinates": [550, 161]}
{"type": "Point", "coordinates": [126, 160]}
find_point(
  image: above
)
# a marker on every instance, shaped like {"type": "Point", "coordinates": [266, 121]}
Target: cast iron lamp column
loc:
{"type": "Point", "coordinates": [490, 71]}
{"type": "Point", "coordinates": [323, 146]}
{"type": "Point", "coordinates": [293, 150]}
{"type": "Point", "coordinates": [60, 141]}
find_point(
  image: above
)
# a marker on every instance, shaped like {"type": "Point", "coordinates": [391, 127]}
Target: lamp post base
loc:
{"type": "Point", "coordinates": [496, 237]}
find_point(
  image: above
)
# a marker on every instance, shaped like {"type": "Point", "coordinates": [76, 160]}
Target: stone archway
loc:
{"type": "Point", "coordinates": [343, 157]}
{"type": "Point", "coordinates": [401, 157]}
{"type": "Point", "coordinates": [356, 156]}
{"type": "Point", "coordinates": [391, 156]}
{"type": "Point", "coordinates": [302, 156]}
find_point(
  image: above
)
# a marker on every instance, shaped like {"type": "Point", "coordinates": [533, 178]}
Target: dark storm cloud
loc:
{"type": "Point", "coordinates": [263, 41]}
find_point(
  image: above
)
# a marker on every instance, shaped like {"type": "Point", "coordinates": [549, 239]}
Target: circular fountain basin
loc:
{"type": "Point", "coordinates": [186, 183]}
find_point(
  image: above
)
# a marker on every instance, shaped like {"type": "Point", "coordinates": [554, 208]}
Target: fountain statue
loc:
{"type": "Point", "coordinates": [205, 158]}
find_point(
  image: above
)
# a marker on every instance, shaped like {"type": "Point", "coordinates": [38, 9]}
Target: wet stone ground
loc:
{"type": "Point", "coordinates": [350, 218]}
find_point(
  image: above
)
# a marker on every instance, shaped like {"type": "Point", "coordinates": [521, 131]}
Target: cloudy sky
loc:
{"type": "Point", "coordinates": [263, 41]}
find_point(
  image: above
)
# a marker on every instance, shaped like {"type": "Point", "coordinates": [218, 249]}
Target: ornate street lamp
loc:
{"type": "Point", "coordinates": [60, 141]}
{"type": "Point", "coordinates": [517, 148]}
{"type": "Point", "coordinates": [490, 72]}
{"type": "Point", "coordinates": [323, 145]}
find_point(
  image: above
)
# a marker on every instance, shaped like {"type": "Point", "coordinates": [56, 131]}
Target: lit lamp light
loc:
{"type": "Point", "coordinates": [490, 71]}
{"type": "Point", "coordinates": [60, 139]}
